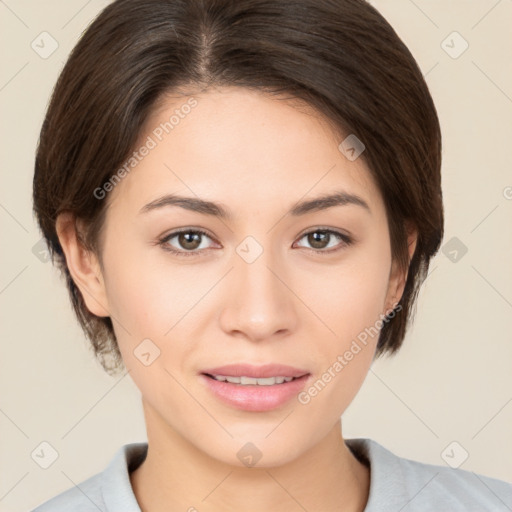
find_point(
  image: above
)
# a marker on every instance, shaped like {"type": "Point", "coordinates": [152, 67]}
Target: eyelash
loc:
{"type": "Point", "coordinates": [163, 242]}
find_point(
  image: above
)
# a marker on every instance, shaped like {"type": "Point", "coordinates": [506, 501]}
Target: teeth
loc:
{"type": "Point", "coordinates": [244, 381]}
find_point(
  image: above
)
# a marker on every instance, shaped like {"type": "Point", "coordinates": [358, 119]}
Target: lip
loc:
{"type": "Point", "coordinates": [253, 397]}
{"type": "Point", "coordinates": [267, 370]}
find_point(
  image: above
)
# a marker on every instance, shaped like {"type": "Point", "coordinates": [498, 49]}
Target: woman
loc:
{"type": "Point", "coordinates": [244, 197]}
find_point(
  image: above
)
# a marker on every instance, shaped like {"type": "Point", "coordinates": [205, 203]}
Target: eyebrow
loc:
{"type": "Point", "coordinates": [338, 198]}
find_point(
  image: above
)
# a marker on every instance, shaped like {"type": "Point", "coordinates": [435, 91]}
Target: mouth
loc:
{"type": "Point", "coordinates": [252, 381]}
{"type": "Point", "coordinates": [255, 388]}
{"type": "Point", "coordinates": [256, 372]}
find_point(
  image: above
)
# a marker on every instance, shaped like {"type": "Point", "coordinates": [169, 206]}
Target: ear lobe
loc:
{"type": "Point", "coordinates": [83, 266]}
{"type": "Point", "coordinates": [398, 277]}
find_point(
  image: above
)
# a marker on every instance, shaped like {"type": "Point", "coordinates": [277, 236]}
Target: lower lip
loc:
{"type": "Point", "coordinates": [253, 397]}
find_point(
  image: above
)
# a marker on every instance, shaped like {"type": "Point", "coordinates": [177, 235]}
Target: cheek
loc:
{"type": "Point", "coordinates": [347, 297]}
{"type": "Point", "coordinates": [156, 306]}
{"type": "Point", "coordinates": [349, 300]}
{"type": "Point", "coordinates": [153, 305]}
{"type": "Point", "coordinates": [149, 295]}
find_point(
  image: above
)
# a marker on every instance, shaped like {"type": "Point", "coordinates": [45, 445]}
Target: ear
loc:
{"type": "Point", "coordinates": [83, 266]}
{"type": "Point", "coordinates": [398, 277]}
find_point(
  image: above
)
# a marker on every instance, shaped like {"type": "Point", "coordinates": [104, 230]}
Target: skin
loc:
{"type": "Point", "coordinates": [257, 155]}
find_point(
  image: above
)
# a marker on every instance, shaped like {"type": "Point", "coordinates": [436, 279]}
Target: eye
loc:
{"type": "Point", "coordinates": [320, 239]}
{"type": "Point", "coordinates": [189, 242]}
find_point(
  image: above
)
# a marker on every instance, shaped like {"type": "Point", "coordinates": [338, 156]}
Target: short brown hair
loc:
{"type": "Point", "coordinates": [339, 56]}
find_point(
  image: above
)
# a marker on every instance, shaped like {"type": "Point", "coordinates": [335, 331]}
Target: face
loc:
{"type": "Point", "coordinates": [268, 283]}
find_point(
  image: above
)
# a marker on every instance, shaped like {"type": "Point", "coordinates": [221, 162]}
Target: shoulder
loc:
{"type": "Point", "coordinates": [106, 491]}
{"type": "Point", "coordinates": [398, 483]}
{"type": "Point", "coordinates": [85, 497]}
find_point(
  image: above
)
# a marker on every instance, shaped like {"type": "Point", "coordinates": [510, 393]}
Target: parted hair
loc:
{"type": "Point", "coordinates": [341, 57]}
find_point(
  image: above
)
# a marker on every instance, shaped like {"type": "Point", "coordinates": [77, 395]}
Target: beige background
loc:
{"type": "Point", "coordinates": [452, 381]}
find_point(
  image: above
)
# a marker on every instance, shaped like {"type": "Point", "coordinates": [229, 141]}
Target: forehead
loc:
{"type": "Point", "coordinates": [242, 147]}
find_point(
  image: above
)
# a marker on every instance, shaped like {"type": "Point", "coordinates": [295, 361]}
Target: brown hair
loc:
{"type": "Point", "coordinates": [339, 56]}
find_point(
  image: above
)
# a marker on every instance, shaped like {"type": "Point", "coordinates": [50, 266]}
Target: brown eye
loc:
{"type": "Point", "coordinates": [189, 240]}
{"type": "Point", "coordinates": [319, 239]}
{"type": "Point", "coordinates": [322, 239]}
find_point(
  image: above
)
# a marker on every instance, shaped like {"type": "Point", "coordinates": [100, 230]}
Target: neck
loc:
{"type": "Point", "coordinates": [177, 476]}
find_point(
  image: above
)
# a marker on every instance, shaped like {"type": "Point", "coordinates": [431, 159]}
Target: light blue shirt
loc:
{"type": "Point", "coordinates": [396, 485]}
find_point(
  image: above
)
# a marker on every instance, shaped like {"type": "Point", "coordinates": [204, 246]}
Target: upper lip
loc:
{"type": "Point", "coordinates": [248, 370]}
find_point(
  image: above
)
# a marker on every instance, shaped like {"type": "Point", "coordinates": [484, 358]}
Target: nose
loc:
{"type": "Point", "coordinates": [259, 303]}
